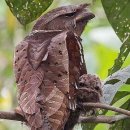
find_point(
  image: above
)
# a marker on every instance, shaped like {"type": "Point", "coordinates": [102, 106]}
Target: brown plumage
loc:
{"type": "Point", "coordinates": [48, 64]}
{"type": "Point", "coordinates": [89, 89]}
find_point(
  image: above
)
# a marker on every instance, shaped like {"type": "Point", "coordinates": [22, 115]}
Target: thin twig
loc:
{"type": "Point", "coordinates": [93, 119]}
{"type": "Point", "coordinates": [103, 119]}
{"type": "Point", "coordinates": [11, 116]}
{"type": "Point", "coordinates": [106, 107]}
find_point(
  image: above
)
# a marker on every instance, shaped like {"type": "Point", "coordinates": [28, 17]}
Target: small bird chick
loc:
{"type": "Point", "coordinates": [89, 90]}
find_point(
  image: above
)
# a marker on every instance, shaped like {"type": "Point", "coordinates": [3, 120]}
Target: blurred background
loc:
{"type": "Point", "coordinates": [101, 47]}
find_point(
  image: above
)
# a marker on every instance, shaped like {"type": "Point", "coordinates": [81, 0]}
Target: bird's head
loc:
{"type": "Point", "coordinates": [89, 88]}
{"type": "Point", "coordinates": [72, 18]}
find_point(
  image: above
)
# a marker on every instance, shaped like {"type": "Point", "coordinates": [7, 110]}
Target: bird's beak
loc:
{"type": "Point", "coordinates": [84, 14]}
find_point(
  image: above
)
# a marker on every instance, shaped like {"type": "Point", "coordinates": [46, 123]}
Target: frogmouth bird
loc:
{"type": "Point", "coordinates": [89, 89]}
{"type": "Point", "coordinates": [48, 64]}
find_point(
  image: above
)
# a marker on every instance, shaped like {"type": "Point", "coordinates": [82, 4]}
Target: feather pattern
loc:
{"type": "Point", "coordinates": [48, 64]}
{"type": "Point", "coordinates": [44, 84]}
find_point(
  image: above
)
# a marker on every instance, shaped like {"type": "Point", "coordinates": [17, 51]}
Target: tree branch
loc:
{"type": "Point", "coordinates": [103, 119]}
{"type": "Point", "coordinates": [92, 119]}
{"type": "Point", "coordinates": [11, 116]}
{"type": "Point", "coordinates": [106, 107]}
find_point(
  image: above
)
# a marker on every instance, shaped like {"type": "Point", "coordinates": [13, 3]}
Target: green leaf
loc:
{"type": "Point", "coordinates": [114, 82]}
{"type": "Point", "coordinates": [124, 51]}
{"type": "Point", "coordinates": [28, 10]}
{"type": "Point", "coordinates": [117, 12]}
{"type": "Point", "coordinates": [118, 103]}
{"type": "Point", "coordinates": [122, 99]}
{"type": "Point", "coordinates": [125, 88]}
{"type": "Point", "coordinates": [123, 124]}
{"type": "Point", "coordinates": [88, 126]}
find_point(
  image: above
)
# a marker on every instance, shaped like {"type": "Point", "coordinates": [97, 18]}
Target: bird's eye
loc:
{"type": "Point", "coordinates": [81, 84]}
{"type": "Point", "coordinates": [70, 14]}
{"type": "Point", "coordinates": [97, 88]}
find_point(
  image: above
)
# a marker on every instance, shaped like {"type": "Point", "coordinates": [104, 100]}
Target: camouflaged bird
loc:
{"type": "Point", "coordinates": [48, 64]}
{"type": "Point", "coordinates": [89, 89]}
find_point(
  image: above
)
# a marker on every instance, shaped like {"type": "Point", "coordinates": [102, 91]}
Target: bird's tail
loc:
{"type": "Point", "coordinates": [44, 121]}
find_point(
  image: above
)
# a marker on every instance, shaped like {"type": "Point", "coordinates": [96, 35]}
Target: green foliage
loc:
{"type": "Point", "coordinates": [123, 124]}
{"type": "Point", "coordinates": [124, 51]}
{"type": "Point", "coordinates": [102, 52]}
{"type": "Point", "coordinates": [117, 12]}
{"type": "Point", "coordinates": [113, 83]}
{"type": "Point", "coordinates": [118, 102]}
{"type": "Point", "coordinates": [28, 10]}
{"type": "Point", "coordinates": [102, 56]}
